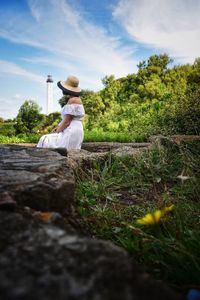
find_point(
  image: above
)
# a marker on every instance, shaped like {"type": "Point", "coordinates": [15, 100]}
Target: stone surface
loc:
{"type": "Point", "coordinates": [100, 151]}
{"type": "Point", "coordinates": [6, 201]}
{"type": "Point", "coordinates": [84, 158]}
{"type": "Point", "coordinates": [38, 178]}
{"type": "Point", "coordinates": [107, 146]}
{"type": "Point", "coordinates": [41, 261]}
{"type": "Point", "coordinates": [128, 151]}
{"type": "Point", "coordinates": [174, 138]}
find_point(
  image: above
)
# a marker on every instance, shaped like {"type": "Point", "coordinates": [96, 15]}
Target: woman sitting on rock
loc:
{"type": "Point", "coordinates": [69, 133]}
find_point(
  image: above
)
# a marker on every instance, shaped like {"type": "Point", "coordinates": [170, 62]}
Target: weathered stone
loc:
{"type": "Point", "coordinates": [174, 138]}
{"type": "Point", "coordinates": [83, 158]}
{"type": "Point", "coordinates": [128, 151]}
{"type": "Point", "coordinates": [155, 138]}
{"type": "Point", "coordinates": [107, 146]}
{"type": "Point", "coordinates": [42, 261]}
{"type": "Point", "coordinates": [7, 202]}
{"type": "Point", "coordinates": [61, 151]}
{"type": "Point", "coordinates": [99, 151]}
{"type": "Point", "coordinates": [38, 178]}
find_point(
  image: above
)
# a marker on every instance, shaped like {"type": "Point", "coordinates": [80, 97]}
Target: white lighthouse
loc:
{"type": "Point", "coordinates": [49, 94]}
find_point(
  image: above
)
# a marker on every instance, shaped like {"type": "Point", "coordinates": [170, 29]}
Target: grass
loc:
{"type": "Point", "coordinates": [97, 135]}
{"type": "Point", "coordinates": [111, 196]}
{"type": "Point", "coordinates": [20, 138]}
{"type": "Point", "coordinates": [8, 136]}
{"type": "Point", "coordinates": [89, 136]}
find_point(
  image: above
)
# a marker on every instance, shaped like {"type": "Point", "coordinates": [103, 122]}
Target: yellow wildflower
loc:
{"type": "Point", "coordinates": [154, 217]}
{"type": "Point", "coordinates": [168, 209]}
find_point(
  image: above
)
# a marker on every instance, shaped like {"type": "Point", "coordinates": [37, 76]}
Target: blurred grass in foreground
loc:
{"type": "Point", "coordinates": [113, 195]}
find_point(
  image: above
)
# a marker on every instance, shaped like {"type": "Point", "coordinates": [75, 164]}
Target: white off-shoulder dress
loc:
{"type": "Point", "coordinates": [71, 137]}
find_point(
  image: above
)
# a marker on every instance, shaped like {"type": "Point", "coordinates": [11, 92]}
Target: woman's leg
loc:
{"type": "Point", "coordinates": [48, 141]}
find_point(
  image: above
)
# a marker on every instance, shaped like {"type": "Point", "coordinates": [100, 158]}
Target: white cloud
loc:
{"type": "Point", "coordinates": [65, 34]}
{"type": "Point", "coordinates": [35, 12]}
{"type": "Point", "coordinates": [17, 96]}
{"type": "Point", "coordinates": [9, 68]}
{"type": "Point", "coordinates": [18, 85]}
{"type": "Point", "coordinates": [169, 25]}
{"type": "Point", "coordinates": [10, 106]}
{"type": "Point", "coordinates": [89, 78]}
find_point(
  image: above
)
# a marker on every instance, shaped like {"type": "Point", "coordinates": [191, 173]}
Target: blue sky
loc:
{"type": "Point", "coordinates": [88, 39]}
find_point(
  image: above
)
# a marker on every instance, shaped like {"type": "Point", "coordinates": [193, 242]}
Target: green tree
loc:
{"type": "Point", "coordinates": [108, 80]}
{"type": "Point", "coordinates": [187, 116]}
{"type": "Point", "coordinates": [49, 122]}
{"type": "Point", "coordinates": [128, 92]}
{"type": "Point", "coordinates": [28, 117]}
{"type": "Point", "coordinates": [94, 108]}
{"type": "Point", "coordinates": [194, 75]}
{"type": "Point", "coordinates": [159, 63]}
{"type": "Point", "coordinates": [111, 91]}
{"type": "Point", "coordinates": [150, 81]}
{"type": "Point", "coordinates": [9, 120]}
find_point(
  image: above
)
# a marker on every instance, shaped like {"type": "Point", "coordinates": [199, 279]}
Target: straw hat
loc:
{"type": "Point", "coordinates": [70, 86]}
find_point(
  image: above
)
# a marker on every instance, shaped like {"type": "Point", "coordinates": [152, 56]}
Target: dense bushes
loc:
{"type": "Point", "coordinates": [188, 113]}
{"type": "Point", "coordinates": [28, 117]}
{"type": "Point", "coordinates": [183, 116]}
{"type": "Point", "coordinates": [155, 100]}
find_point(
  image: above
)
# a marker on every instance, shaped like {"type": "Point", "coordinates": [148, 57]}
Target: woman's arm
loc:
{"type": "Point", "coordinates": [64, 124]}
{"type": "Point", "coordinates": [67, 118]}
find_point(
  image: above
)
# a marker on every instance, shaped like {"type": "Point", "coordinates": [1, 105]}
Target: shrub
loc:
{"type": "Point", "coordinates": [28, 117]}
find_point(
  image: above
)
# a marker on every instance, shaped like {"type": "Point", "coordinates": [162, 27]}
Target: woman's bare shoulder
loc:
{"type": "Point", "coordinates": [74, 100]}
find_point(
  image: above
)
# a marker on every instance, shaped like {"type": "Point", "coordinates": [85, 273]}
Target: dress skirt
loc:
{"type": "Point", "coordinates": [70, 138]}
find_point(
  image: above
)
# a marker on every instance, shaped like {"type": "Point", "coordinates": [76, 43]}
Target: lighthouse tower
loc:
{"type": "Point", "coordinates": [49, 94]}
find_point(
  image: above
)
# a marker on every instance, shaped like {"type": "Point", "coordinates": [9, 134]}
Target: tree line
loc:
{"type": "Point", "coordinates": [158, 99]}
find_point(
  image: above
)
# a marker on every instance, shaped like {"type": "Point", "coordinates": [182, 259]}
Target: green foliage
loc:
{"type": "Point", "coordinates": [20, 138]}
{"type": "Point", "coordinates": [98, 135]}
{"type": "Point", "coordinates": [108, 80]}
{"type": "Point", "coordinates": [9, 140]}
{"type": "Point", "coordinates": [111, 196]}
{"type": "Point", "coordinates": [62, 101]}
{"type": "Point", "coordinates": [28, 137]}
{"type": "Point", "coordinates": [194, 75]}
{"type": "Point", "coordinates": [7, 129]}
{"type": "Point", "coordinates": [28, 117]}
{"type": "Point", "coordinates": [94, 108]}
{"type": "Point", "coordinates": [49, 122]}
{"type": "Point", "coordinates": [9, 120]}
{"type": "Point", "coordinates": [156, 100]}
{"type": "Point", "coordinates": [52, 117]}
{"type": "Point", "coordinates": [187, 113]}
